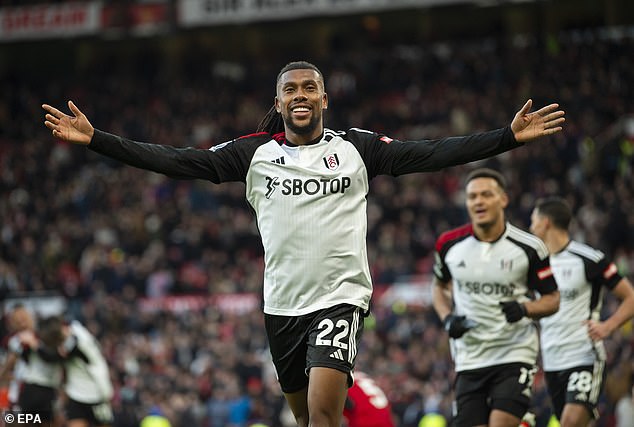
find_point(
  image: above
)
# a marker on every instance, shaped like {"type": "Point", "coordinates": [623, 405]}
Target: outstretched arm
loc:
{"type": "Point", "coordinates": [527, 126]}
{"type": "Point", "coordinates": [228, 162]}
{"type": "Point", "coordinates": [393, 157]}
{"type": "Point", "coordinates": [77, 129]}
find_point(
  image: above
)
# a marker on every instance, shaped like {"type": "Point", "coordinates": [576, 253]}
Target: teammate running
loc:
{"type": "Point", "coordinates": [34, 379]}
{"type": "Point", "coordinates": [486, 276]}
{"type": "Point", "coordinates": [87, 384]}
{"type": "Point", "coordinates": [573, 354]}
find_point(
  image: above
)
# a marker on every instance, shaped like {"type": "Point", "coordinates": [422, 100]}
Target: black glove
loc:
{"type": "Point", "coordinates": [513, 310]}
{"type": "Point", "coordinates": [456, 326]}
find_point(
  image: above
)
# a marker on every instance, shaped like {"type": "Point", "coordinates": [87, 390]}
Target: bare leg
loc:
{"type": "Point", "coordinates": [575, 415]}
{"type": "Point", "coordinates": [77, 422]}
{"type": "Point", "coordinates": [327, 391]}
{"type": "Point", "coordinates": [298, 402]}
{"type": "Point", "coordinates": [503, 419]}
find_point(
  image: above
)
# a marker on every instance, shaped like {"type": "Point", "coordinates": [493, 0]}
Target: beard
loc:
{"type": "Point", "coordinates": [313, 123]}
{"type": "Point", "coordinates": [485, 225]}
{"type": "Point", "coordinates": [488, 224]}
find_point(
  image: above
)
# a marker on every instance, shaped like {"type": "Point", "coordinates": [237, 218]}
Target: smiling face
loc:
{"type": "Point", "coordinates": [486, 201]}
{"type": "Point", "coordinates": [300, 100]}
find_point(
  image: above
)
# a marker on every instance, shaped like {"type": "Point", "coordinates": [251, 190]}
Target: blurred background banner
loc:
{"type": "Point", "coordinates": [226, 303]}
{"type": "Point", "coordinates": [210, 12]}
{"type": "Point", "coordinates": [41, 303]}
{"type": "Point", "coordinates": [142, 19]}
{"type": "Point", "coordinates": [50, 21]}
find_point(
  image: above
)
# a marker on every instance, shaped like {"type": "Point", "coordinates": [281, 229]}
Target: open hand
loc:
{"type": "Point", "coordinates": [77, 129]}
{"type": "Point", "coordinates": [527, 126]}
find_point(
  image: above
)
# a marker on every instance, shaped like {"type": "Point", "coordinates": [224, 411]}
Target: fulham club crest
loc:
{"type": "Point", "coordinates": [331, 161]}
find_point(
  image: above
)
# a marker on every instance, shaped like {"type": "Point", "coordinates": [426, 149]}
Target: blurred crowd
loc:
{"type": "Point", "coordinates": [106, 235]}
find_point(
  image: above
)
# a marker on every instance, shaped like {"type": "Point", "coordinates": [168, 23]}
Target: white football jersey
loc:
{"type": "Point", "coordinates": [33, 369]}
{"type": "Point", "coordinates": [483, 275]}
{"type": "Point", "coordinates": [309, 200]}
{"type": "Point", "coordinates": [582, 274]}
{"type": "Point", "coordinates": [87, 374]}
{"type": "Point", "coordinates": [30, 368]}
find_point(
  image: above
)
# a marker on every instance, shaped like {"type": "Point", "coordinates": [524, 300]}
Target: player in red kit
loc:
{"type": "Point", "coordinates": [367, 405]}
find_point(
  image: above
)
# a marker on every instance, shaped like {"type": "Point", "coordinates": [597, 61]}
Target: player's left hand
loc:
{"type": "Point", "coordinates": [597, 330]}
{"type": "Point", "coordinates": [513, 310]}
{"type": "Point", "coordinates": [76, 128]}
{"type": "Point", "coordinates": [527, 126]}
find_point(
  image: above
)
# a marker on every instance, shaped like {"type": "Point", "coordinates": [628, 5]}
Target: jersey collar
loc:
{"type": "Point", "coordinates": [500, 237]}
{"type": "Point", "coordinates": [281, 139]}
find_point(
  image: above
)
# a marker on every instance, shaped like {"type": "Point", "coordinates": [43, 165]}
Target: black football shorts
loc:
{"type": "Point", "coordinates": [504, 387]}
{"type": "Point", "coordinates": [325, 338]}
{"type": "Point", "coordinates": [97, 414]}
{"type": "Point", "coordinates": [37, 399]}
{"type": "Point", "coordinates": [581, 385]}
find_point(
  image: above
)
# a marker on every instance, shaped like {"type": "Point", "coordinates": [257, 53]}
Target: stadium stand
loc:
{"type": "Point", "coordinates": [122, 245]}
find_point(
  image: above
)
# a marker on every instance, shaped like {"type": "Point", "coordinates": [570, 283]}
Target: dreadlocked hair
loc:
{"type": "Point", "coordinates": [272, 123]}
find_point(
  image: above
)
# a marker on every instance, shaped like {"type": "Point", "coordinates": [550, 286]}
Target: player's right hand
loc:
{"type": "Point", "coordinates": [457, 326]}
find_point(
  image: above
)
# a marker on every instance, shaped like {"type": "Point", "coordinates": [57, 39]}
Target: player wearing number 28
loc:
{"type": "Point", "coordinates": [491, 280]}
{"type": "Point", "coordinates": [573, 354]}
{"type": "Point", "coordinates": [307, 186]}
